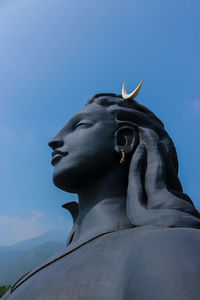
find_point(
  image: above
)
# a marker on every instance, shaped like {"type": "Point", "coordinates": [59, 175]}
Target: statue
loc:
{"type": "Point", "coordinates": [135, 233]}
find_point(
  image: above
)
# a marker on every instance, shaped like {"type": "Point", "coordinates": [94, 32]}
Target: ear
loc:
{"type": "Point", "coordinates": [126, 138]}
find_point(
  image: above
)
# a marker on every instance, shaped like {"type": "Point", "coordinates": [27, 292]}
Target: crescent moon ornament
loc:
{"type": "Point", "coordinates": [133, 94]}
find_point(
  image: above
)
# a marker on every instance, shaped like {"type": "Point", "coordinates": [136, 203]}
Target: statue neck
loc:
{"type": "Point", "coordinates": [108, 215]}
{"type": "Point", "coordinates": [102, 207]}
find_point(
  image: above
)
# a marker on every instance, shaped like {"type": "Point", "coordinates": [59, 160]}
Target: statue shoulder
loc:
{"type": "Point", "coordinates": [164, 262]}
{"type": "Point", "coordinates": [165, 244]}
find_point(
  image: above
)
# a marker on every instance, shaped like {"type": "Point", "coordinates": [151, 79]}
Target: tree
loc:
{"type": "Point", "coordinates": [4, 289]}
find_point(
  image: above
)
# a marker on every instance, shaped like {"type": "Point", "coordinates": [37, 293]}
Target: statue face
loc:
{"type": "Point", "coordinates": [83, 150]}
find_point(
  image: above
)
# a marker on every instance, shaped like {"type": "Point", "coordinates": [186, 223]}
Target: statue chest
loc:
{"type": "Point", "coordinates": [136, 264]}
{"type": "Point", "coordinates": [93, 271]}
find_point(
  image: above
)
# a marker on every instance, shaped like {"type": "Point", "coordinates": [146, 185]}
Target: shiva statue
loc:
{"type": "Point", "coordinates": [135, 234]}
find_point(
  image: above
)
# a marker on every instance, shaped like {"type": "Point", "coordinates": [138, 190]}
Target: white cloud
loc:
{"type": "Point", "coordinates": [36, 213]}
{"type": "Point", "coordinates": [15, 229]}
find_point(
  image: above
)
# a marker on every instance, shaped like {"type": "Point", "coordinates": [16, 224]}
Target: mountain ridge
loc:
{"type": "Point", "coordinates": [53, 235]}
{"type": "Point", "coordinates": [18, 259]}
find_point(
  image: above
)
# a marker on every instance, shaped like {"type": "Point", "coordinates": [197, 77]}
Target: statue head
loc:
{"type": "Point", "coordinates": [91, 145]}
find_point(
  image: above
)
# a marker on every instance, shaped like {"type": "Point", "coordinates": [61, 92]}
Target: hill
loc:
{"type": "Point", "coordinates": [54, 235]}
{"type": "Point", "coordinates": [22, 257]}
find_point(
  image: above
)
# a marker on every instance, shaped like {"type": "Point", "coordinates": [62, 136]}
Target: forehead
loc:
{"type": "Point", "coordinates": [93, 112]}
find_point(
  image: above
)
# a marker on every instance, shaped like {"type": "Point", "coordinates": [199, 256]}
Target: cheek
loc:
{"type": "Point", "coordinates": [90, 143]}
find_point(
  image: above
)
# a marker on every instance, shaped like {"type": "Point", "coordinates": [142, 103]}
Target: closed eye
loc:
{"type": "Point", "coordinates": [82, 123]}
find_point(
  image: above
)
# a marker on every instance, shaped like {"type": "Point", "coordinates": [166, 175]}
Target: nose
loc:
{"type": "Point", "coordinates": [55, 143]}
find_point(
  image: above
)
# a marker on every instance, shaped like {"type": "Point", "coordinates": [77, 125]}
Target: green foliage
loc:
{"type": "Point", "coordinates": [4, 289]}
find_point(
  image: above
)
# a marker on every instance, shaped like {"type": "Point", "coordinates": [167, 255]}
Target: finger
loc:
{"type": "Point", "coordinates": [136, 179]}
{"type": "Point", "coordinates": [155, 173]}
{"type": "Point", "coordinates": [138, 161]}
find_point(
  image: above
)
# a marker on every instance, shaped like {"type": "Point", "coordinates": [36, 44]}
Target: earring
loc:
{"type": "Point", "coordinates": [123, 156]}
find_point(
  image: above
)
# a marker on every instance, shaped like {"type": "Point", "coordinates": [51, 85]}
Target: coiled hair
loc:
{"type": "Point", "coordinates": [154, 194]}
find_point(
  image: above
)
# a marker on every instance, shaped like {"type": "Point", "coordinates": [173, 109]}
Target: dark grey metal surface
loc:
{"type": "Point", "coordinates": [135, 234]}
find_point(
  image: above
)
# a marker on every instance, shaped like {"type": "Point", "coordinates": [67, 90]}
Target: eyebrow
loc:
{"type": "Point", "coordinates": [79, 116]}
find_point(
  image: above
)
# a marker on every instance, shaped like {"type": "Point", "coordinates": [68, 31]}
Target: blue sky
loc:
{"type": "Point", "coordinates": [54, 55]}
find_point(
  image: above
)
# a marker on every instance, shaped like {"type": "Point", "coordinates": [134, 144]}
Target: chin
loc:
{"type": "Point", "coordinates": [71, 180]}
{"type": "Point", "coordinates": [65, 183]}
{"type": "Point", "coordinates": [75, 177]}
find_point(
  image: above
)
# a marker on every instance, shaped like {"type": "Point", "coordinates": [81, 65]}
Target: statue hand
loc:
{"type": "Point", "coordinates": [159, 167]}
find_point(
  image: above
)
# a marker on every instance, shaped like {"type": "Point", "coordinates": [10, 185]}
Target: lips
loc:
{"type": "Point", "coordinates": [57, 155]}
